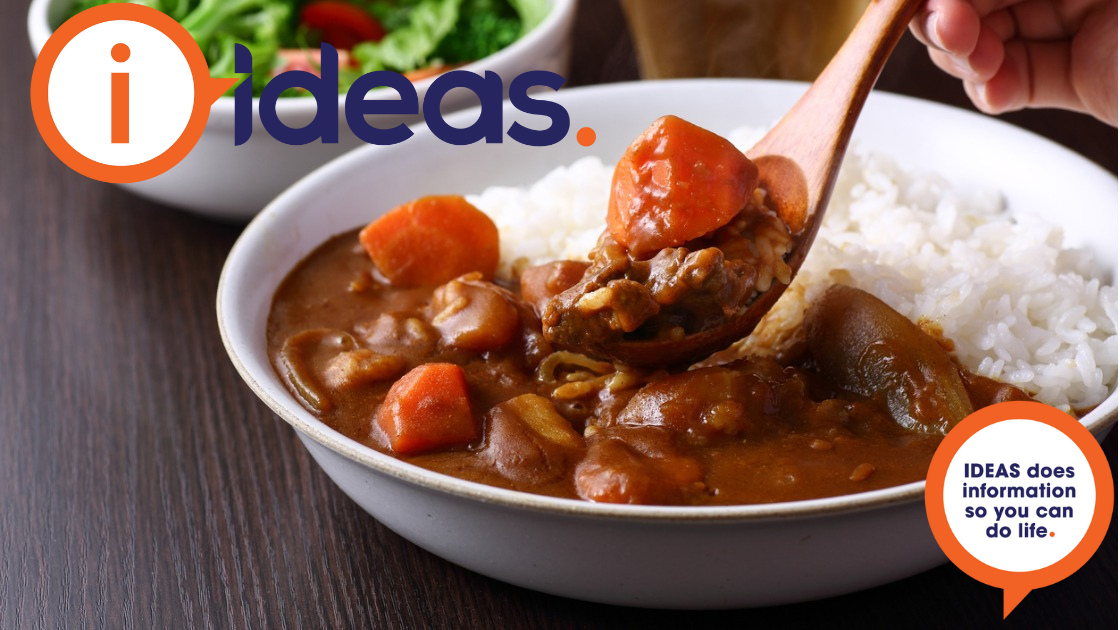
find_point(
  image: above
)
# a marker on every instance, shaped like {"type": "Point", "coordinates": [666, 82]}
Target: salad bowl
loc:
{"type": "Point", "coordinates": [229, 182]}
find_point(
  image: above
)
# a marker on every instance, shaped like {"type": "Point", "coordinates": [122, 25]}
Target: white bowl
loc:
{"type": "Point", "coordinates": [231, 182]}
{"type": "Point", "coordinates": [676, 557]}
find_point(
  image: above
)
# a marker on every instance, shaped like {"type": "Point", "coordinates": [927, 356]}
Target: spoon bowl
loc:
{"type": "Point", "coordinates": [798, 161]}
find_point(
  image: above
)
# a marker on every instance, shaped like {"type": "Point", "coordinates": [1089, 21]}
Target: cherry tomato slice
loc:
{"type": "Point", "coordinates": [342, 24]}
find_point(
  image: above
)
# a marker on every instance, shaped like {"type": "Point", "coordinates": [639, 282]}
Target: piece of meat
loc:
{"type": "Point", "coordinates": [528, 441]}
{"type": "Point", "coordinates": [637, 465]}
{"type": "Point", "coordinates": [679, 291]}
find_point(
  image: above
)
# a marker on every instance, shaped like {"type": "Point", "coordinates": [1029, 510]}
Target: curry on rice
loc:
{"type": "Point", "coordinates": [402, 337]}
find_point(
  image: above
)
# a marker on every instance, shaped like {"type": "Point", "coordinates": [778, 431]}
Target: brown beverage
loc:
{"type": "Point", "coordinates": [778, 39]}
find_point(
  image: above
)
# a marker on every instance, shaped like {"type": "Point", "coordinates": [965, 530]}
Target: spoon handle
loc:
{"type": "Point", "coordinates": [814, 134]}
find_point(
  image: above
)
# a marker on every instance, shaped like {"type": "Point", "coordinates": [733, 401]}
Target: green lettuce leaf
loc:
{"type": "Point", "coordinates": [532, 13]}
{"type": "Point", "coordinates": [411, 47]}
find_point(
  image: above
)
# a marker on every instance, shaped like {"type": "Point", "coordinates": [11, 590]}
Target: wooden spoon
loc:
{"type": "Point", "coordinates": [798, 162]}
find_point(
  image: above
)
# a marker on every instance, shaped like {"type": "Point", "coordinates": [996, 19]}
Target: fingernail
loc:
{"type": "Point", "coordinates": [963, 67]}
{"type": "Point", "coordinates": [932, 31]}
{"type": "Point", "coordinates": [981, 92]}
{"type": "Point", "coordinates": [982, 101]}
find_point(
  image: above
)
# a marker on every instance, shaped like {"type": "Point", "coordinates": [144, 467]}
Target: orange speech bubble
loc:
{"type": "Point", "coordinates": [1017, 584]}
{"type": "Point", "coordinates": [206, 91]}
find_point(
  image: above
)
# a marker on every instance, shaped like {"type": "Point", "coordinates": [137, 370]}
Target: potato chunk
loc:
{"type": "Point", "coordinates": [361, 367]}
{"type": "Point", "coordinates": [528, 441]}
{"type": "Point", "coordinates": [542, 283]}
{"type": "Point", "coordinates": [868, 348]}
{"type": "Point", "coordinates": [472, 314]}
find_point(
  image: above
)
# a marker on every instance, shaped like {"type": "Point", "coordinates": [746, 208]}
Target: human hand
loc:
{"type": "Point", "coordinates": [1013, 54]}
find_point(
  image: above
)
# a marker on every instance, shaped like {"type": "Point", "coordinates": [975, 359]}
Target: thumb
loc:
{"type": "Point", "coordinates": [1093, 60]}
{"type": "Point", "coordinates": [1033, 74]}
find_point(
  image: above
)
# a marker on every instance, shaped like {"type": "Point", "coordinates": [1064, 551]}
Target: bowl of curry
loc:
{"type": "Point", "coordinates": [482, 414]}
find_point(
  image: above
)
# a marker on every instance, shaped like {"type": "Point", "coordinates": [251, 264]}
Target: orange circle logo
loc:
{"type": "Point", "coordinates": [1019, 496]}
{"type": "Point", "coordinates": [85, 102]}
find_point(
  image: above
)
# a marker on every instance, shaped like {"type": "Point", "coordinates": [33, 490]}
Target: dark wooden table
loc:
{"type": "Point", "coordinates": [143, 485]}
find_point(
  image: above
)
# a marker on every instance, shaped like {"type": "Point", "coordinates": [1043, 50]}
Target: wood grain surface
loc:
{"type": "Point", "coordinates": [143, 485]}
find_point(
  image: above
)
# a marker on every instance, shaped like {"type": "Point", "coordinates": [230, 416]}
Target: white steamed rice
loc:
{"type": "Point", "coordinates": [1018, 307]}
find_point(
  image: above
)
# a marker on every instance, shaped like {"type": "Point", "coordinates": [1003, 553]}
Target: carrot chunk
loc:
{"type": "Point", "coordinates": [428, 409]}
{"type": "Point", "coordinates": [432, 240]}
{"type": "Point", "coordinates": [675, 183]}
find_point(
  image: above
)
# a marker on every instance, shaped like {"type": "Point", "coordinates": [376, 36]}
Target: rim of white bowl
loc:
{"type": "Point", "coordinates": [1099, 419]}
{"type": "Point", "coordinates": [559, 16]}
